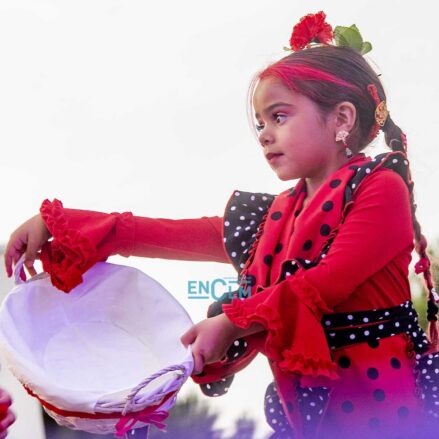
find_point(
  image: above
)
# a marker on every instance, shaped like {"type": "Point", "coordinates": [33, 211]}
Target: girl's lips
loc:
{"type": "Point", "coordinates": [272, 156]}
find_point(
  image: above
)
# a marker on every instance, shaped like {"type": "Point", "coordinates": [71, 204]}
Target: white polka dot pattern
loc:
{"type": "Point", "coordinates": [242, 217]}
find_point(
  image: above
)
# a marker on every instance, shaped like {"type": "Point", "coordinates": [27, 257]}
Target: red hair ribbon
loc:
{"type": "Point", "coordinates": [422, 265]}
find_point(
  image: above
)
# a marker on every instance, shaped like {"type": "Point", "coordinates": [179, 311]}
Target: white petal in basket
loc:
{"type": "Point", "coordinates": [110, 346]}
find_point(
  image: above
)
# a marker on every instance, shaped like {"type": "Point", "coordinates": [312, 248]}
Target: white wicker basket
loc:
{"type": "Point", "coordinates": [85, 354]}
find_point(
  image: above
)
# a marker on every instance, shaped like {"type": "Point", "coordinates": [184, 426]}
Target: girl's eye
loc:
{"type": "Point", "coordinates": [259, 128]}
{"type": "Point", "coordinates": [279, 117]}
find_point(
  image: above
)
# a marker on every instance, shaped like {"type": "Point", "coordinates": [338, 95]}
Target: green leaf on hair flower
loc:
{"type": "Point", "coordinates": [348, 36]}
{"type": "Point", "coordinates": [287, 49]}
{"type": "Point", "coordinates": [366, 47]}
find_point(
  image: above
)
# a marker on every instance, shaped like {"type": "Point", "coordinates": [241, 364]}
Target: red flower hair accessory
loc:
{"type": "Point", "coordinates": [312, 28]}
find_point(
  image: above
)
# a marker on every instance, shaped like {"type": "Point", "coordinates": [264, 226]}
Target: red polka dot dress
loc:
{"type": "Point", "coordinates": [329, 282]}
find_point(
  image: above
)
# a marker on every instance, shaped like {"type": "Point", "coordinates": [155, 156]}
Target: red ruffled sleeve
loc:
{"type": "Point", "coordinates": [82, 237]}
{"type": "Point", "coordinates": [291, 312]}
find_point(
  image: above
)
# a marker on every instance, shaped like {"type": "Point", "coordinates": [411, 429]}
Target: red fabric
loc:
{"type": "Point", "coordinates": [115, 415]}
{"type": "Point", "coordinates": [82, 237]}
{"type": "Point", "coordinates": [366, 268]}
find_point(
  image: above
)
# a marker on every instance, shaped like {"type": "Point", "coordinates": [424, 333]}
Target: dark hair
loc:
{"type": "Point", "coordinates": [329, 75]}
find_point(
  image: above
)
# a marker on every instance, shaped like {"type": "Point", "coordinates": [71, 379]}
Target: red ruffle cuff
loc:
{"type": "Point", "coordinates": [291, 311]}
{"type": "Point", "coordinates": [80, 239]}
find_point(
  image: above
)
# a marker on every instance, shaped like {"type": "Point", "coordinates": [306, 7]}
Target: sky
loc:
{"type": "Point", "coordinates": [116, 106]}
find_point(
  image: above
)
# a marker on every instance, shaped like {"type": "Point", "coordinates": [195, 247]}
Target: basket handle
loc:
{"type": "Point", "coordinates": [175, 367]}
{"type": "Point", "coordinates": [126, 404]}
{"type": "Point", "coordinates": [17, 270]}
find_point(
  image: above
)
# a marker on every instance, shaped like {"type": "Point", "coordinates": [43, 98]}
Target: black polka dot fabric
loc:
{"type": "Point", "coordinates": [394, 161]}
{"type": "Point", "coordinates": [289, 267]}
{"type": "Point", "coordinates": [312, 402]}
{"type": "Point", "coordinates": [343, 329]}
{"type": "Point", "coordinates": [242, 217]}
{"type": "Point", "coordinates": [274, 412]}
{"type": "Point", "coordinates": [428, 372]}
{"type": "Point", "coordinates": [217, 388]}
{"type": "Point", "coordinates": [236, 350]}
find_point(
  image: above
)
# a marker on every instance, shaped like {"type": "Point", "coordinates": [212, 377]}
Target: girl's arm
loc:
{"type": "Point", "coordinates": [376, 230]}
{"type": "Point", "coordinates": [82, 237]}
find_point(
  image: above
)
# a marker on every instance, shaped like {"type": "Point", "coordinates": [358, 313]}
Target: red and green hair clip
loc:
{"type": "Point", "coordinates": [312, 29]}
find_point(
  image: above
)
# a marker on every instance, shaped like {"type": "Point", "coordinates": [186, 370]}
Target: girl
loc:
{"type": "Point", "coordinates": [323, 265]}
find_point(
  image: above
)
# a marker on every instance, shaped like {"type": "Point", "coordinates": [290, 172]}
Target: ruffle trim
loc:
{"type": "Point", "coordinates": [69, 254]}
{"type": "Point", "coordinates": [274, 349]}
{"type": "Point", "coordinates": [262, 314]}
{"type": "Point", "coordinates": [309, 294]}
{"type": "Point", "coordinates": [313, 367]}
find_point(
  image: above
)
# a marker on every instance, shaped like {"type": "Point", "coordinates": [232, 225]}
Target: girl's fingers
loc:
{"type": "Point", "coordinates": [31, 270]}
{"type": "Point", "coordinates": [7, 421]}
{"type": "Point", "coordinates": [30, 264]}
{"type": "Point", "coordinates": [8, 263]}
{"type": "Point", "coordinates": [23, 275]}
{"type": "Point", "coordinates": [8, 258]}
{"type": "Point", "coordinates": [32, 248]}
{"type": "Point", "coordinates": [11, 256]}
{"type": "Point", "coordinates": [198, 363]}
{"type": "Point", "coordinates": [5, 400]}
{"type": "Point", "coordinates": [188, 337]}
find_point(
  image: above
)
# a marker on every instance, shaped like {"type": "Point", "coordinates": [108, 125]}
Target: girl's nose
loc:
{"type": "Point", "coordinates": [266, 138]}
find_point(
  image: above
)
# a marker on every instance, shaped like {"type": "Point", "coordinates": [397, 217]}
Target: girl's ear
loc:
{"type": "Point", "coordinates": [344, 115]}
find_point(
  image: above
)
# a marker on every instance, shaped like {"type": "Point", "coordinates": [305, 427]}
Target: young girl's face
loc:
{"type": "Point", "coordinates": [297, 142]}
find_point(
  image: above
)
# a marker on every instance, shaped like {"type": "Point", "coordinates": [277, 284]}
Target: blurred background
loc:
{"type": "Point", "coordinates": [120, 106]}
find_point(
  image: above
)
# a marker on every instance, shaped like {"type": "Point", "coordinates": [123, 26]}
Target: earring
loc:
{"type": "Point", "coordinates": [342, 136]}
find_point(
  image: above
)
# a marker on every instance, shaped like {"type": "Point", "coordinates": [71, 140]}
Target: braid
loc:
{"type": "Point", "coordinates": [397, 141]}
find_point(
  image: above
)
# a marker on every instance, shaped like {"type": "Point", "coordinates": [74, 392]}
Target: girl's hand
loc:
{"type": "Point", "coordinates": [210, 339]}
{"type": "Point", "coordinates": [28, 239]}
{"type": "Point", "coordinates": [7, 417]}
